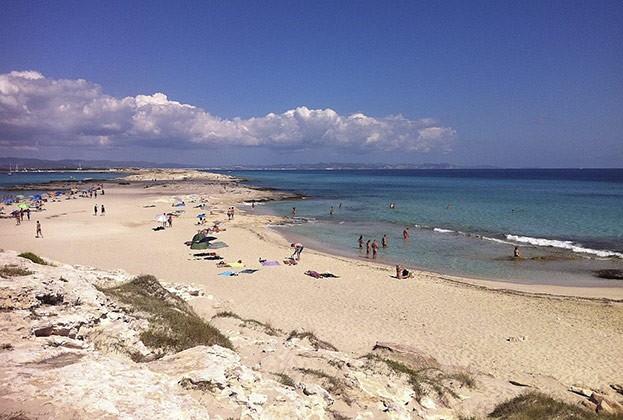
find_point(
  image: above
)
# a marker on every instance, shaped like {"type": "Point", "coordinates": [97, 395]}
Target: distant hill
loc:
{"type": "Point", "coordinates": [337, 166]}
{"type": "Point", "coordinates": [74, 164]}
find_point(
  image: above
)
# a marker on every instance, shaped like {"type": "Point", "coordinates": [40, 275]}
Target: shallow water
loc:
{"type": "Point", "coordinates": [465, 222]}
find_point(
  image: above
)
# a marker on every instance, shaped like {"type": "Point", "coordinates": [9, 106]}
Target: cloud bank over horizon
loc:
{"type": "Point", "coordinates": [37, 112]}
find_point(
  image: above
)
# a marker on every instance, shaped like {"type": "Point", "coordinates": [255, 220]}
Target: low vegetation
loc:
{"type": "Point", "coordinates": [333, 384]}
{"type": "Point", "coordinates": [249, 323]}
{"type": "Point", "coordinates": [284, 379]}
{"type": "Point", "coordinates": [428, 378]}
{"type": "Point", "coordinates": [536, 405]}
{"type": "Point", "coordinates": [12, 270]}
{"type": "Point", "coordinates": [16, 415]}
{"type": "Point", "coordinates": [314, 341]}
{"type": "Point", "coordinates": [173, 325]}
{"type": "Point", "coordinates": [33, 257]}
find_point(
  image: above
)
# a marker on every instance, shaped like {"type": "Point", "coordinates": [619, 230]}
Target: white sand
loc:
{"type": "Point", "coordinates": [527, 334]}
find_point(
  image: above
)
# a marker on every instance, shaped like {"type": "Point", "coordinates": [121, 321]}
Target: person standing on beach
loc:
{"type": "Point", "coordinates": [384, 241]}
{"type": "Point", "coordinates": [375, 249]}
{"type": "Point", "coordinates": [39, 232]}
{"type": "Point", "coordinates": [405, 234]}
{"type": "Point", "coordinates": [103, 210]}
{"type": "Point", "coordinates": [95, 210]}
{"type": "Point", "coordinates": [298, 248]}
{"type": "Point", "coordinates": [360, 241]}
{"type": "Point", "coordinates": [368, 249]}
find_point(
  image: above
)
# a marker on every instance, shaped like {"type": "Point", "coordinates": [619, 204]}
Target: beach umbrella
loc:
{"type": "Point", "coordinates": [162, 218]}
{"type": "Point", "coordinates": [58, 193]}
{"type": "Point", "coordinates": [201, 215]}
{"type": "Point", "coordinates": [7, 201]}
{"type": "Point", "coordinates": [19, 196]}
{"type": "Point", "coordinates": [37, 197]}
{"type": "Point", "coordinates": [24, 206]}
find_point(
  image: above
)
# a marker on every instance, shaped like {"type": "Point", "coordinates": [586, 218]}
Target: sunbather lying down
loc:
{"type": "Point", "coordinates": [290, 261]}
{"type": "Point", "coordinates": [237, 264]}
{"type": "Point", "coordinates": [318, 275]}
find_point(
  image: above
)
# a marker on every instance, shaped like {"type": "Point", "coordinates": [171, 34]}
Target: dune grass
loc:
{"type": "Point", "coordinates": [284, 379]}
{"type": "Point", "coordinates": [333, 384]}
{"type": "Point", "coordinates": [33, 257]}
{"type": "Point", "coordinates": [248, 323]}
{"type": "Point", "coordinates": [15, 415]}
{"type": "Point", "coordinates": [12, 270]}
{"type": "Point", "coordinates": [536, 405]}
{"type": "Point", "coordinates": [428, 378]}
{"type": "Point", "coordinates": [315, 341]}
{"type": "Point", "coordinates": [173, 325]}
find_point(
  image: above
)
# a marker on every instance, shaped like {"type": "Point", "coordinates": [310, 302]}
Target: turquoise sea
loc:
{"type": "Point", "coordinates": [567, 222]}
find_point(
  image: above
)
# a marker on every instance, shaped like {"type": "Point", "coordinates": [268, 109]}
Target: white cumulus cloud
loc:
{"type": "Point", "coordinates": [36, 112]}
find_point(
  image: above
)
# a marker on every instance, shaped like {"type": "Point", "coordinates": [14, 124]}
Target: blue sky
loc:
{"type": "Point", "coordinates": [512, 84]}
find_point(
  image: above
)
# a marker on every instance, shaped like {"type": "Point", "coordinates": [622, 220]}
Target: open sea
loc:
{"type": "Point", "coordinates": [567, 222]}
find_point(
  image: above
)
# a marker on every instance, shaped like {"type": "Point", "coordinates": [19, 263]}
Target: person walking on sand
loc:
{"type": "Point", "coordinates": [103, 210]}
{"type": "Point", "coordinates": [405, 234]}
{"type": "Point", "coordinates": [368, 245]}
{"type": "Point", "coordinates": [39, 232]}
{"type": "Point", "coordinates": [375, 249]}
{"type": "Point", "coordinates": [95, 210]}
{"type": "Point", "coordinates": [298, 248]}
{"type": "Point", "coordinates": [384, 241]}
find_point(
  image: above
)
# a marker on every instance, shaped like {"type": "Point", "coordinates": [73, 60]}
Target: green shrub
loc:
{"type": "Point", "coordinates": [536, 405]}
{"type": "Point", "coordinates": [33, 257]}
{"type": "Point", "coordinates": [12, 270]}
{"type": "Point", "coordinates": [173, 325]}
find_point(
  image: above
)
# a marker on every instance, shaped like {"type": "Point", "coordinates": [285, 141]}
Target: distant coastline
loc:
{"type": "Point", "coordinates": [31, 164]}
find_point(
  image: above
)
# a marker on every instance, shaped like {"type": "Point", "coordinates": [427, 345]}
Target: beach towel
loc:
{"type": "Point", "coordinates": [235, 264]}
{"type": "Point", "coordinates": [216, 245]}
{"type": "Point", "coordinates": [270, 263]}
{"type": "Point", "coordinates": [249, 271]}
{"type": "Point", "coordinates": [228, 273]}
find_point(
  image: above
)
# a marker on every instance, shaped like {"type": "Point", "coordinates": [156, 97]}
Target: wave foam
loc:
{"type": "Point", "coordinates": [563, 245]}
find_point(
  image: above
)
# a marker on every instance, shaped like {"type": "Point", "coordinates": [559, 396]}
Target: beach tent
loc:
{"type": "Point", "coordinates": [162, 218]}
{"type": "Point", "coordinates": [201, 241]}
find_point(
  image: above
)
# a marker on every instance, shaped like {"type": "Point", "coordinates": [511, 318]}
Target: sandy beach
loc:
{"type": "Point", "coordinates": [550, 337]}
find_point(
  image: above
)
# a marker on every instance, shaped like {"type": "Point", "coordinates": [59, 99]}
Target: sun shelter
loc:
{"type": "Point", "coordinates": [201, 241]}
